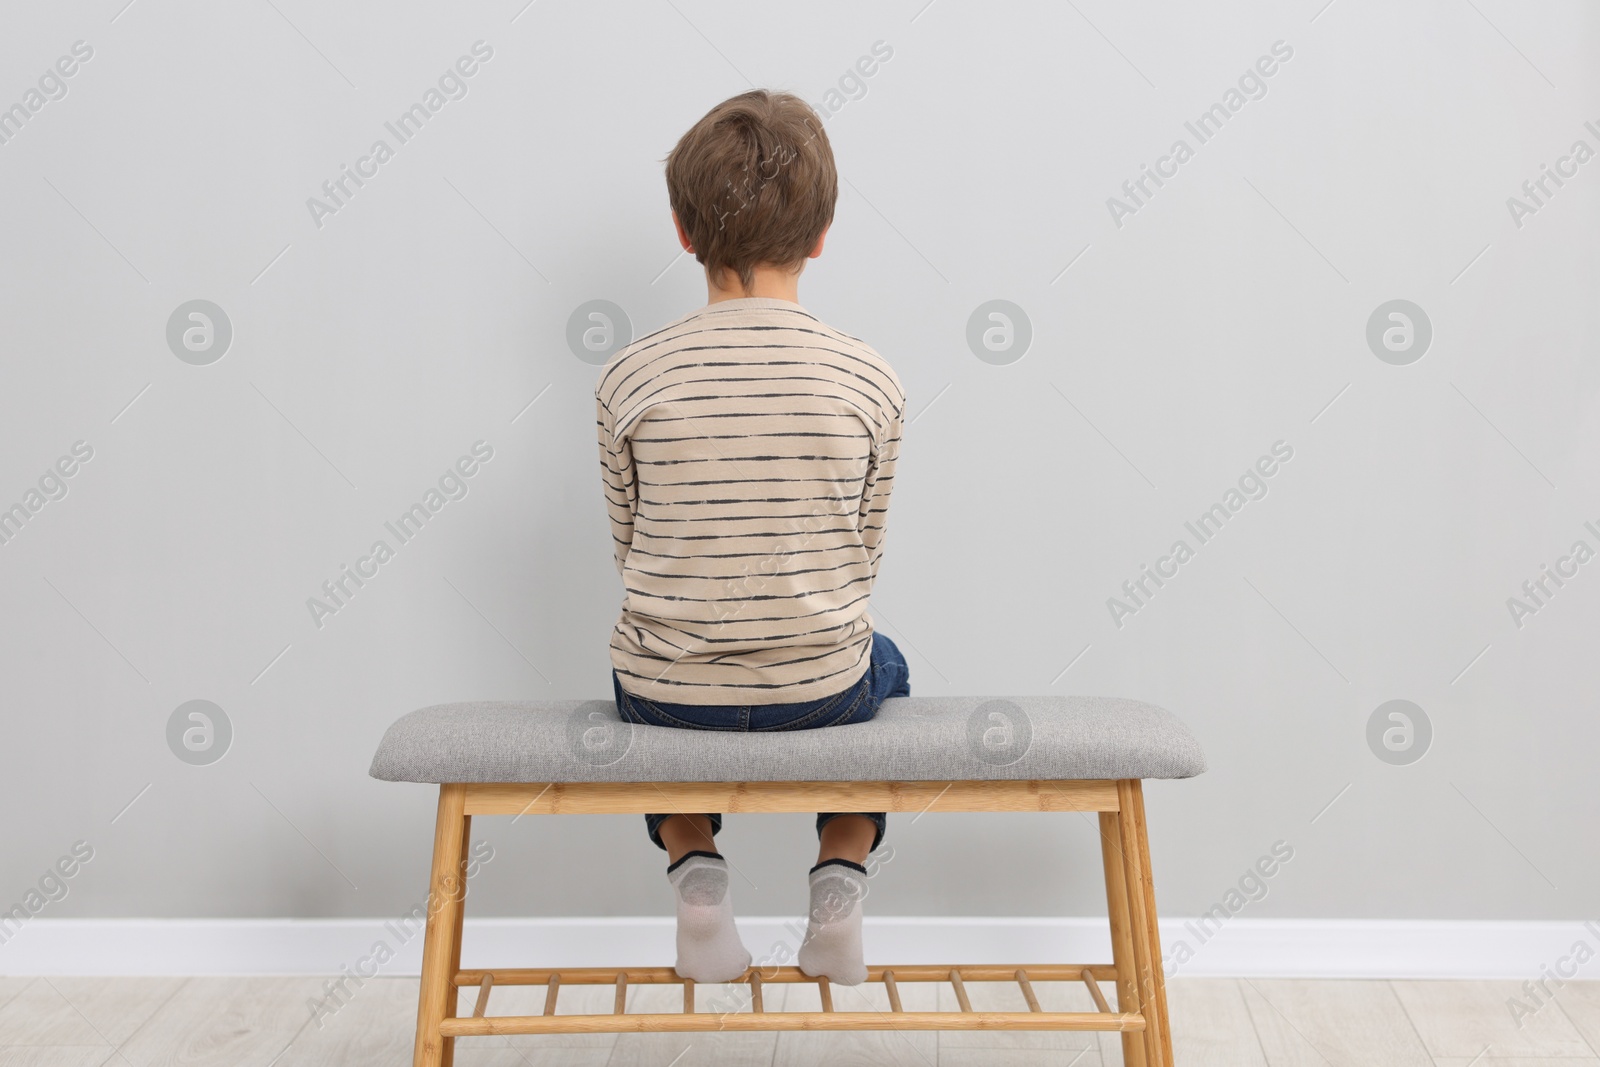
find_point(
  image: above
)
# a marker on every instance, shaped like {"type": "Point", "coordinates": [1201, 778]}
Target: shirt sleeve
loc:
{"type": "Point", "coordinates": [621, 484]}
{"type": "Point", "coordinates": [874, 514]}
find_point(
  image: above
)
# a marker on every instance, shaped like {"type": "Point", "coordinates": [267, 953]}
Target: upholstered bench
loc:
{"type": "Point", "coordinates": [1036, 753]}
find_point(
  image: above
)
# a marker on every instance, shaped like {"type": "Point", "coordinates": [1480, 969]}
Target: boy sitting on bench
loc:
{"type": "Point", "coordinates": [748, 451]}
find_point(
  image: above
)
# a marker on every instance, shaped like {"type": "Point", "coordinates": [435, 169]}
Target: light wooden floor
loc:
{"type": "Point", "coordinates": [254, 1022]}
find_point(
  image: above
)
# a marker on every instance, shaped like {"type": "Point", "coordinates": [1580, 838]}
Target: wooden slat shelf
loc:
{"type": "Point", "coordinates": [680, 1022]}
{"type": "Point", "coordinates": [920, 972]}
{"type": "Point", "coordinates": [758, 1018]}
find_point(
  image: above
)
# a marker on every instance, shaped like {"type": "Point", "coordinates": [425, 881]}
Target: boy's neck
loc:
{"type": "Point", "coordinates": [773, 283]}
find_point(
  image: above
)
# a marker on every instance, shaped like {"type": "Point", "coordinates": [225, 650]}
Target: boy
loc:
{"type": "Point", "coordinates": [748, 451]}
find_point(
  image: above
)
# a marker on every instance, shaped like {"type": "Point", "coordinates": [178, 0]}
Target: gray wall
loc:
{"type": "Point", "coordinates": [1228, 312]}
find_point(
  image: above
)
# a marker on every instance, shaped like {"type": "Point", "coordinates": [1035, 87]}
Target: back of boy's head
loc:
{"type": "Point", "coordinates": [753, 182]}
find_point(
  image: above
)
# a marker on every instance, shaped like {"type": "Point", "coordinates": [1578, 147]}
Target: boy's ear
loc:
{"type": "Point", "coordinates": [683, 238]}
{"type": "Point", "coordinates": [817, 251]}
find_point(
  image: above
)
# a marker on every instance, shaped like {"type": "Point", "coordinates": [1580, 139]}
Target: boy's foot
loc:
{"type": "Point", "coordinates": [832, 946]}
{"type": "Point", "coordinates": [709, 949]}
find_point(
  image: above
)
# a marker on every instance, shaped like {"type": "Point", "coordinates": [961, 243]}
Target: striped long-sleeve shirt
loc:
{"type": "Point", "coordinates": [748, 452]}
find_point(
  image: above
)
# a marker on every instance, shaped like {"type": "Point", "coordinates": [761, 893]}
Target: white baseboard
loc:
{"type": "Point", "coordinates": [1309, 948]}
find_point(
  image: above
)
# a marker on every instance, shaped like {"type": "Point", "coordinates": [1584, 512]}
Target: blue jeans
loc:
{"type": "Point", "coordinates": [887, 676]}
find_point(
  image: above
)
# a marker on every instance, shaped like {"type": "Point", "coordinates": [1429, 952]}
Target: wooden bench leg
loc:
{"type": "Point", "coordinates": [452, 995]}
{"type": "Point", "coordinates": [441, 944]}
{"type": "Point", "coordinates": [1158, 973]}
{"type": "Point", "coordinates": [1141, 897]}
{"type": "Point", "coordinates": [1122, 953]}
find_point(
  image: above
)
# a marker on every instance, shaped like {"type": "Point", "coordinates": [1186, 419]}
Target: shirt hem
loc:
{"type": "Point", "coordinates": [734, 696]}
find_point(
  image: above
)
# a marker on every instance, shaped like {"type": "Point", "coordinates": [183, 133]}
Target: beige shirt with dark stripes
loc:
{"type": "Point", "coordinates": [748, 452]}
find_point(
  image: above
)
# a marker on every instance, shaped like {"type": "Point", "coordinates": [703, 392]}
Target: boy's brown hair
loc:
{"type": "Point", "coordinates": [753, 182]}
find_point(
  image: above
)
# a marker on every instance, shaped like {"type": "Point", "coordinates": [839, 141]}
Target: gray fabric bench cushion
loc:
{"type": "Point", "coordinates": [911, 739]}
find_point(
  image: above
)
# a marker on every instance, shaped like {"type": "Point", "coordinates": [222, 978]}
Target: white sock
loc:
{"type": "Point", "coordinates": [709, 949]}
{"type": "Point", "coordinates": [833, 934]}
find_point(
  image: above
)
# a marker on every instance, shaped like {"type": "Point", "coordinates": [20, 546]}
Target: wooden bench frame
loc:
{"type": "Point", "coordinates": [1141, 1011]}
